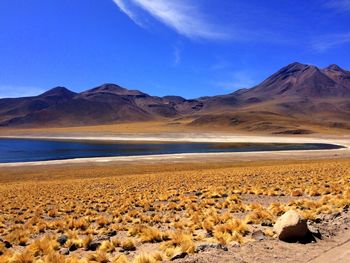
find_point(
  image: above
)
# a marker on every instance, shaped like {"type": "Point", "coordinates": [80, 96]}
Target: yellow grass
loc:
{"type": "Point", "coordinates": [169, 126]}
{"type": "Point", "coordinates": [128, 127]}
{"type": "Point", "coordinates": [157, 211]}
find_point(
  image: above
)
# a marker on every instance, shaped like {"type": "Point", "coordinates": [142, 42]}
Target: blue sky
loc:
{"type": "Point", "coordinates": [190, 48]}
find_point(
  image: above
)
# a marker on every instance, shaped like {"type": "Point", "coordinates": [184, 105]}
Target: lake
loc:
{"type": "Point", "coordinates": [28, 150]}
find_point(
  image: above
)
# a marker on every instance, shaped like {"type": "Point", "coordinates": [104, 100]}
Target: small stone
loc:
{"type": "Point", "coordinates": [290, 227]}
{"type": "Point", "coordinates": [112, 233]}
{"type": "Point", "coordinates": [224, 248]}
{"type": "Point", "coordinates": [64, 251]}
{"type": "Point", "coordinates": [336, 215]}
{"type": "Point", "coordinates": [179, 255]}
{"type": "Point", "coordinates": [7, 244]}
{"type": "Point", "coordinates": [22, 243]}
{"type": "Point", "coordinates": [200, 248]}
{"type": "Point", "coordinates": [266, 222]}
{"type": "Point", "coordinates": [209, 234]}
{"type": "Point", "coordinates": [62, 239]}
{"type": "Point", "coordinates": [207, 246]}
{"type": "Point", "coordinates": [125, 252]}
{"type": "Point", "coordinates": [318, 220]}
{"type": "Point", "coordinates": [258, 235]}
{"type": "Point", "coordinates": [73, 247]}
{"type": "Point", "coordinates": [93, 245]}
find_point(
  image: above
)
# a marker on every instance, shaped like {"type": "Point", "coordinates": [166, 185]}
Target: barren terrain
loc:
{"type": "Point", "coordinates": [297, 99]}
{"type": "Point", "coordinates": [147, 212]}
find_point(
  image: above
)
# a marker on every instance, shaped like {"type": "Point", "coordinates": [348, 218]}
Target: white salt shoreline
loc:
{"type": "Point", "coordinates": [192, 138]}
{"type": "Point", "coordinates": [232, 156]}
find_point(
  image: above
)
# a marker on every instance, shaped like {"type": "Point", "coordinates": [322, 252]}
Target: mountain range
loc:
{"type": "Point", "coordinates": [293, 100]}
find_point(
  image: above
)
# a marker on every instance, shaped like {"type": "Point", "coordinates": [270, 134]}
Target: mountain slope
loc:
{"type": "Point", "coordinates": [105, 104]}
{"type": "Point", "coordinates": [302, 81]}
{"type": "Point", "coordinates": [295, 97]}
{"type": "Point", "coordinates": [21, 107]}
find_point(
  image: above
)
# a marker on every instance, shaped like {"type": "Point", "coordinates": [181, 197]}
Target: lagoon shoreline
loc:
{"type": "Point", "coordinates": [343, 141]}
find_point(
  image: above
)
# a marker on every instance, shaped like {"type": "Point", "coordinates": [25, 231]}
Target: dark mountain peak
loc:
{"type": "Point", "coordinates": [296, 65]}
{"type": "Point", "coordinates": [293, 70]}
{"type": "Point", "coordinates": [110, 87]}
{"type": "Point", "coordinates": [288, 73]}
{"type": "Point", "coordinates": [334, 67]}
{"type": "Point", "coordinates": [340, 76]}
{"type": "Point", "coordinates": [58, 92]}
{"type": "Point", "coordinates": [299, 80]}
{"type": "Point", "coordinates": [113, 89]}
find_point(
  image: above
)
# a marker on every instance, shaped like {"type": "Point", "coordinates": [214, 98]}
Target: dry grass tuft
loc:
{"type": "Point", "coordinates": [144, 259]}
{"type": "Point", "coordinates": [97, 213]}
{"type": "Point", "coordinates": [128, 245]}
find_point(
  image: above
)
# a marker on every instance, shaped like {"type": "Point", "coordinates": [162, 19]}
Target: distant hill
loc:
{"type": "Point", "coordinates": [295, 97]}
{"type": "Point", "coordinates": [108, 103]}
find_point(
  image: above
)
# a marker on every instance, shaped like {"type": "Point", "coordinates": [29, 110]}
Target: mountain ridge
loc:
{"type": "Point", "coordinates": [295, 92]}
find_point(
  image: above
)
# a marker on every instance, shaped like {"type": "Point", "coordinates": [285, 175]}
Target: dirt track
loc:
{"type": "Point", "coordinates": [339, 253]}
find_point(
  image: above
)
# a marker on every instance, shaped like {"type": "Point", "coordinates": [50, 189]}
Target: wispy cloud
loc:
{"type": "Point", "coordinates": [327, 42]}
{"type": "Point", "coordinates": [177, 54]}
{"type": "Point", "coordinates": [125, 7]}
{"type": "Point", "coordinates": [338, 5]}
{"type": "Point", "coordinates": [237, 80]}
{"type": "Point", "coordinates": [8, 91]}
{"type": "Point", "coordinates": [220, 64]}
{"type": "Point", "coordinates": [181, 15]}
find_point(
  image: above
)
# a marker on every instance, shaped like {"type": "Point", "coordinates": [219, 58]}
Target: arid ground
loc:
{"type": "Point", "coordinates": [187, 208]}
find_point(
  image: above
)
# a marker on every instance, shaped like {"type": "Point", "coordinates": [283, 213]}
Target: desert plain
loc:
{"type": "Point", "coordinates": [218, 207]}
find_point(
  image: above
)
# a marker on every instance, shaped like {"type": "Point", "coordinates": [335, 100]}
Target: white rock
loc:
{"type": "Point", "coordinates": [290, 227]}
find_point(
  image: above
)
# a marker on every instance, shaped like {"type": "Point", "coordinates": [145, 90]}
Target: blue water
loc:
{"type": "Point", "coordinates": [23, 150]}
